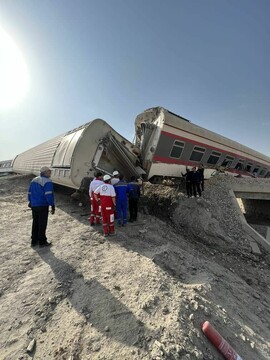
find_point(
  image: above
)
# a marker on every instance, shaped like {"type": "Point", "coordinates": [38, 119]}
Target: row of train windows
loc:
{"type": "Point", "coordinates": [5, 165]}
{"type": "Point", "coordinates": [61, 172]}
{"type": "Point", "coordinates": [198, 153]}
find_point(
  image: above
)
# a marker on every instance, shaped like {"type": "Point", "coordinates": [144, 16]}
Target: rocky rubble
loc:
{"type": "Point", "coordinates": [143, 294]}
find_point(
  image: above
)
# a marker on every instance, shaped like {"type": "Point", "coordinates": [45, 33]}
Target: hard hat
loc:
{"type": "Point", "coordinates": [106, 177]}
{"type": "Point", "coordinates": [44, 169]}
{"type": "Point", "coordinates": [115, 173]}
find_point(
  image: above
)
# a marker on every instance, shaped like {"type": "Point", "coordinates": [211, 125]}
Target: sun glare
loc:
{"type": "Point", "coordinates": [14, 79]}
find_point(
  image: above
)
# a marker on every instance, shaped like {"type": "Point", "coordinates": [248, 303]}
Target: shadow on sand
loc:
{"type": "Point", "coordinates": [100, 308]}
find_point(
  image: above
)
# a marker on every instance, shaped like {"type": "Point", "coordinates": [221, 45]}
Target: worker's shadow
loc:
{"type": "Point", "coordinates": [91, 299]}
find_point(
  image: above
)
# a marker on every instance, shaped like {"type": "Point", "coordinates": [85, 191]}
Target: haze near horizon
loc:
{"type": "Point", "coordinates": [67, 63]}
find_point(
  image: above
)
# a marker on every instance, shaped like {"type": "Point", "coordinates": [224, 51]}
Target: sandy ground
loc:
{"type": "Point", "coordinates": [142, 294]}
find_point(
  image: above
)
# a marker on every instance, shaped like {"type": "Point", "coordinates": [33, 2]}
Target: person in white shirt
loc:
{"type": "Point", "coordinates": [105, 193]}
{"type": "Point", "coordinates": [115, 178]}
{"type": "Point", "coordinates": [95, 207]}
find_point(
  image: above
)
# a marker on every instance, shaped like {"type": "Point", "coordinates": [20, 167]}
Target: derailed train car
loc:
{"type": "Point", "coordinates": [169, 143]}
{"type": "Point", "coordinates": [79, 153]}
{"type": "Point", "coordinates": [165, 144]}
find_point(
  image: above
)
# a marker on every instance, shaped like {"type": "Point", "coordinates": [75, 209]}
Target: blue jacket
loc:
{"type": "Point", "coordinates": [40, 192]}
{"type": "Point", "coordinates": [133, 190]}
{"type": "Point", "coordinates": [121, 190]}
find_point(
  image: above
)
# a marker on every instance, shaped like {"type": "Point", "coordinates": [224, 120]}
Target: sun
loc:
{"type": "Point", "coordinates": [14, 79]}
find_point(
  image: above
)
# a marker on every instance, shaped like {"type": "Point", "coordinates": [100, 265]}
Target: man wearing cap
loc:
{"type": "Point", "coordinates": [106, 197]}
{"type": "Point", "coordinates": [115, 178]}
{"type": "Point", "coordinates": [40, 197]}
{"type": "Point", "coordinates": [95, 207]}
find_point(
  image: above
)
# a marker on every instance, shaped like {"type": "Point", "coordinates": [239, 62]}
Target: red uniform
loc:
{"type": "Point", "coordinates": [106, 193]}
{"type": "Point", "coordinates": [95, 207]}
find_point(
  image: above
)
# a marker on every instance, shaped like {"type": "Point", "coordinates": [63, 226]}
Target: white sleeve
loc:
{"type": "Point", "coordinates": [112, 192]}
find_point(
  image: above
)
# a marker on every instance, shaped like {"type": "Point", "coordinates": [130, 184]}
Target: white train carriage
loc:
{"type": "Point", "coordinates": [79, 153]}
{"type": "Point", "coordinates": [169, 143]}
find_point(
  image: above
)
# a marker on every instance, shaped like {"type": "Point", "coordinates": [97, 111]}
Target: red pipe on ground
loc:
{"type": "Point", "coordinates": [221, 344]}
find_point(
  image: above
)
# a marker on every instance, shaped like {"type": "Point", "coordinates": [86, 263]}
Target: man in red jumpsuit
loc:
{"type": "Point", "coordinates": [106, 195]}
{"type": "Point", "coordinates": [95, 207]}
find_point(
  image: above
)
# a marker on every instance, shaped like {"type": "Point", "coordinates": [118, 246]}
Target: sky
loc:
{"type": "Point", "coordinates": [74, 61]}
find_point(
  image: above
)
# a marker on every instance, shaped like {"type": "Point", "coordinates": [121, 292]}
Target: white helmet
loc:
{"type": "Point", "coordinates": [106, 177]}
{"type": "Point", "coordinates": [115, 173]}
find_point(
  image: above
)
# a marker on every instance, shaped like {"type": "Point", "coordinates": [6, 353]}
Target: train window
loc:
{"type": "Point", "coordinates": [177, 149]}
{"type": "Point", "coordinates": [268, 175]}
{"type": "Point", "coordinates": [197, 153]}
{"type": "Point", "coordinates": [248, 167]}
{"type": "Point", "coordinates": [256, 169]}
{"type": "Point", "coordinates": [240, 165]}
{"type": "Point", "coordinates": [213, 158]}
{"type": "Point", "coordinates": [227, 161]}
{"type": "Point", "coordinates": [262, 172]}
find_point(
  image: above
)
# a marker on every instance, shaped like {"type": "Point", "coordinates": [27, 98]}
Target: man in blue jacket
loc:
{"type": "Point", "coordinates": [121, 201]}
{"type": "Point", "coordinates": [133, 190]}
{"type": "Point", "coordinates": [40, 197]}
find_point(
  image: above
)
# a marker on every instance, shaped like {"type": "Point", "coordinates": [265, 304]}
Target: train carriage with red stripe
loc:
{"type": "Point", "coordinates": [169, 143]}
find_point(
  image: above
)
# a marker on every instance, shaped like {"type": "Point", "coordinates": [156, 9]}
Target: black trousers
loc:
{"type": "Point", "coordinates": [196, 188]}
{"type": "Point", "coordinates": [133, 209]}
{"type": "Point", "coordinates": [39, 225]}
{"type": "Point", "coordinates": [202, 184]}
{"type": "Point", "coordinates": [189, 188]}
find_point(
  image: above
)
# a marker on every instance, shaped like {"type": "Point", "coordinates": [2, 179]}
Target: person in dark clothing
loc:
{"type": "Point", "coordinates": [40, 197]}
{"type": "Point", "coordinates": [196, 182]}
{"type": "Point", "coordinates": [121, 201]}
{"type": "Point", "coordinates": [201, 171]}
{"type": "Point", "coordinates": [134, 193]}
{"type": "Point", "coordinates": [188, 176]}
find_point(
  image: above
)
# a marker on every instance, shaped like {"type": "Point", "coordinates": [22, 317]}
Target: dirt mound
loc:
{"type": "Point", "coordinates": [142, 294]}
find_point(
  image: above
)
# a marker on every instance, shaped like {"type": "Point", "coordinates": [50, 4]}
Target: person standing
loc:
{"type": "Point", "coordinates": [188, 178]}
{"type": "Point", "coordinates": [95, 207]}
{"type": "Point", "coordinates": [134, 193]}
{"type": "Point", "coordinates": [121, 201]}
{"type": "Point", "coordinates": [201, 171]}
{"type": "Point", "coordinates": [196, 183]}
{"type": "Point", "coordinates": [106, 198]}
{"type": "Point", "coordinates": [40, 197]}
{"type": "Point", "coordinates": [115, 178]}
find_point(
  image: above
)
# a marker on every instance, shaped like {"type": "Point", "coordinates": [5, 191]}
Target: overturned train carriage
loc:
{"type": "Point", "coordinates": [169, 143]}
{"type": "Point", "coordinates": [79, 153]}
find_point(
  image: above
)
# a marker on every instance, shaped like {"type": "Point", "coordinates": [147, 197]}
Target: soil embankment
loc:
{"type": "Point", "coordinates": [143, 294]}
